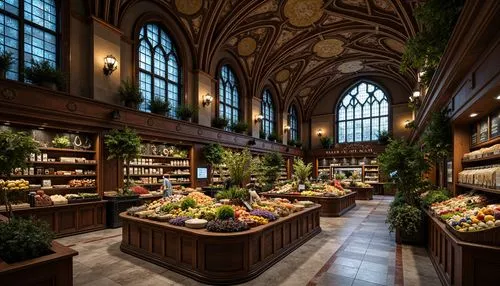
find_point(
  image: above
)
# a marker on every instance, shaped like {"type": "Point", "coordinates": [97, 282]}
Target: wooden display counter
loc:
{"type": "Point", "coordinates": [69, 219]}
{"type": "Point", "coordinates": [365, 194]}
{"type": "Point", "coordinates": [458, 262]}
{"type": "Point", "coordinates": [330, 206]}
{"type": "Point", "coordinates": [218, 258]}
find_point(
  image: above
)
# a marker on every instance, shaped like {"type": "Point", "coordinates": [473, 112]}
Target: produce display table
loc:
{"type": "Point", "coordinates": [330, 206]}
{"type": "Point", "coordinates": [458, 262]}
{"type": "Point", "coordinates": [365, 194]}
{"type": "Point", "coordinates": [218, 258]}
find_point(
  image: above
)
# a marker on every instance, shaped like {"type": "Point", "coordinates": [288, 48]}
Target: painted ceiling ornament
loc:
{"type": "Point", "coordinates": [328, 48]}
{"type": "Point", "coordinates": [305, 91]}
{"type": "Point", "coordinates": [267, 6]}
{"type": "Point", "coordinates": [350, 67]}
{"type": "Point", "coordinates": [332, 19]}
{"type": "Point", "coordinates": [247, 46]}
{"type": "Point", "coordinates": [188, 7]}
{"type": "Point", "coordinates": [282, 75]}
{"type": "Point", "coordinates": [303, 13]}
{"type": "Point", "coordinates": [385, 5]}
{"type": "Point", "coordinates": [358, 3]}
{"type": "Point", "coordinates": [395, 45]}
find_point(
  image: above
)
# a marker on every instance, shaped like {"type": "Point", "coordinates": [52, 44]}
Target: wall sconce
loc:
{"type": "Point", "coordinates": [286, 128]}
{"type": "Point", "coordinates": [109, 65]}
{"type": "Point", "coordinates": [259, 118]}
{"type": "Point", "coordinates": [319, 132]}
{"type": "Point", "coordinates": [207, 99]}
{"type": "Point", "coordinates": [406, 123]}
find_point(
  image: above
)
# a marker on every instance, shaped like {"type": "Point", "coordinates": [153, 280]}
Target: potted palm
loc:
{"type": "Point", "coordinates": [185, 112]}
{"type": "Point", "coordinates": [26, 244]}
{"type": "Point", "coordinates": [240, 166]}
{"type": "Point", "coordinates": [159, 106]}
{"type": "Point", "coordinates": [44, 74]}
{"type": "Point", "coordinates": [302, 172]}
{"type": "Point", "coordinates": [130, 94]}
{"type": "Point", "coordinates": [6, 61]}
{"type": "Point", "coordinates": [326, 142]}
{"type": "Point", "coordinates": [122, 145]}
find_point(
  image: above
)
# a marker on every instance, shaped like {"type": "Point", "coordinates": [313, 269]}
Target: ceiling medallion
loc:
{"type": "Point", "coordinates": [395, 45]}
{"type": "Point", "coordinates": [246, 46]}
{"type": "Point", "coordinates": [282, 75]}
{"type": "Point", "coordinates": [303, 13]}
{"type": "Point", "coordinates": [350, 67]}
{"type": "Point", "coordinates": [188, 7]}
{"type": "Point", "coordinates": [328, 48]}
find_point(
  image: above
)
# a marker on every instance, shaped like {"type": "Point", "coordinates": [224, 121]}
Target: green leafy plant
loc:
{"type": "Point", "coordinates": [269, 168]}
{"type": "Point", "coordinates": [6, 61]}
{"type": "Point", "coordinates": [262, 134]}
{"type": "Point", "coordinates": [326, 142]}
{"type": "Point", "coordinates": [130, 94]}
{"type": "Point", "coordinates": [224, 212]}
{"type": "Point", "coordinates": [185, 112]}
{"type": "Point", "coordinates": [240, 166]}
{"type": "Point", "coordinates": [405, 217]}
{"type": "Point", "coordinates": [435, 196]}
{"type": "Point", "coordinates": [213, 154]}
{"type": "Point", "coordinates": [437, 19]}
{"type": "Point", "coordinates": [44, 74]}
{"type": "Point", "coordinates": [383, 137]}
{"type": "Point", "coordinates": [61, 142]}
{"type": "Point", "coordinates": [301, 170]}
{"type": "Point", "coordinates": [159, 106]}
{"type": "Point", "coordinates": [233, 193]}
{"type": "Point", "coordinates": [298, 144]}
{"type": "Point", "coordinates": [239, 127]}
{"type": "Point", "coordinates": [123, 145]}
{"type": "Point", "coordinates": [219, 122]}
{"type": "Point", "coordinates": [188, 203]}
{"type": "Point", "coordinates": [22, 239]}
{"type": "Point", "coordinates": [340, 176]}
{"type": "Point", "coordinates": [15, 148]}
{"type": "Point", "coordinates": [291, 142]}
{"type": "Point", "coordinates": [272, 136]}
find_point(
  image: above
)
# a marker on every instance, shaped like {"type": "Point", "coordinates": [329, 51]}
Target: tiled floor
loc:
{"type": "Point", "coordinates": [355, 249]}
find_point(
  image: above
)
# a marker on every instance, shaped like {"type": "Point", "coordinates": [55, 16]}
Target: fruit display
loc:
{"type": "Point", "coordinates": [58, 200]}
{"type": "Point", "coordinates": [264, 214]}
{"type": "Point", "coordinates": [76, 183]}
{"type": "Point", "coordinates": [227, 225]}
{"type": "Point", "coordinates": [14, 185]}
{"type": "Point", "coordinates": [201, 198]}
{"type": "Point", "coordinates": [333, 189]}
{"type": "Point", "coordinates": [457, 205]}
{"type": "Point", "coordinates": [41, 199]}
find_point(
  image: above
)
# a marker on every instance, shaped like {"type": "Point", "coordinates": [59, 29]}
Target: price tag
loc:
{"type": "Point", "coordinates": [302, 187]}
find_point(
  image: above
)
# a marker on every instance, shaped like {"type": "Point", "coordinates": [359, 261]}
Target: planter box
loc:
{"type": "Point", "coordinates": [364, 194]}
{"type": "Point", "coordinates": [330, 206]}
{"type": "Point", "coordinates": [53, 269]}
{"type": "Point", "coordinates": [117, 205]}
{"type": "Point", "coordinates": [218, 258]}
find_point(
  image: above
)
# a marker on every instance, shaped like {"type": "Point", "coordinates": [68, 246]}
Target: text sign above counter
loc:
{"type": "Point", "coordinates": [351, 149]}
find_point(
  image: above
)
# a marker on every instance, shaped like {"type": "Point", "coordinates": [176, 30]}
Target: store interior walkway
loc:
{"type": "Point", "coordinates": [355, 249]}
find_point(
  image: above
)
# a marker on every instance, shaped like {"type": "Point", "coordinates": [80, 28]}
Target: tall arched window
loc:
{"type": "Point", "coordinates": [229, 98]}
{"type": "Point", "coordinates": [159, 67]}
{"type": "Point", "coordinates": [268, 122]}
{"type": "Point", "coordinates": [362, 112]}
{"type": "Point", "coordinates": [293, 122]}
{"type": "Point", "coordinates": [28, 30]}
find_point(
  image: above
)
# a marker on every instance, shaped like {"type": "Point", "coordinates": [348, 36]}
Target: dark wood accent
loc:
{"type": "Point", "coordinates": [365, 194]}
{"type": "Point", "coordinates": [218, 258]}
{"type": "Point", "coordinates": [51, 269]}
{"type": "Point", "coordinates": [458, 262]}
{"type": "Point", "coordinates": [330, 206]}
{"type": "Point", "coordinates": [69, 219]}
{"type": "Point", "coordinates": [479, 188]}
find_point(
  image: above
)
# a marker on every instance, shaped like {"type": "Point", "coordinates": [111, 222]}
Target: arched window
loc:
{"type": "Point", "coordinates": [293, 122]}
{"type": "Point", "coordinates": [362, 112]}
{"type": "Point", "coordinates": [268, 122]}
{"type": "Point", "coordinates": [229, 98]}
{"type": "Point", "coordinates": [159, 68]}
{"type": "Point", "coordinates": [28, 30]}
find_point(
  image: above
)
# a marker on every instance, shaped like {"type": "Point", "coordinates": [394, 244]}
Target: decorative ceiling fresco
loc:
{"type": "Point", "coordinates": [302, 47]}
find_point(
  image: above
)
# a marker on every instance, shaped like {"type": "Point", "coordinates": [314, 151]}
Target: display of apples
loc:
{"type": "Point", "coordinates": [15, 185]}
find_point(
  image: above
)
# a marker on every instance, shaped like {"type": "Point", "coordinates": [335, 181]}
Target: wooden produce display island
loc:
{"type": "Point", "coordinates": [330, 206]}
{"type": "Point", "coordinates": [458, 262]}
{"type": "Point", "coordinates": [363, 194]}
{"type": "Point", "coordinates": [218, 258]}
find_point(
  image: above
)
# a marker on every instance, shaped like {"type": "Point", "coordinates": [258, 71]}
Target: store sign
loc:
{"type": "Point", "coordinates": [351, 149]}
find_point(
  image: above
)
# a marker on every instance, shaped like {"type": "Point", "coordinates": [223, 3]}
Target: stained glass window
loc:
{"type": "Point", "coordinates": [293, 122]}
{"type": "Point", "coordinates": [229, 98]}
{"type": "Point", "coordinates": [36, 23]}
{"type": "Point", "coordinates": [267, 111]}
{"type": "Point", "coordinates": [159, 68]}
{"type": "Point", "coordinates": [362, 112]}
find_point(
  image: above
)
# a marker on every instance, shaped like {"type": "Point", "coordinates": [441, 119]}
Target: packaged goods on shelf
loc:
{"type": "Point", "coordinates": [488, 176]}
{"type": "Point", "coordinates": [483, 153]}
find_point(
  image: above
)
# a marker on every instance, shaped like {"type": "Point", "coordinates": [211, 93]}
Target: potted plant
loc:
{"type": "Point", "coordinates": [185, 112]}
{"type": "Point", "coordinates": [407, 176]}
{"type": "Point", "coordinates": [6, 60]}
{"type": "Point", "coordinates": [61, 142]}
{"type": "Point", "coordinates": [42, 73]}
{"type": "Point", "coordinates": [262, 134]}
{"type": "Point", "coordinates": [326, 142]}
{"type": "Point", "coordinates": [383, 137]}
{"type": "Point", "coordinates": [239, 127]}
{"type": "Point", "coordinates": [159, 106]}
{"type": "Point", "coordinates": [219, 122]}
{"type": "Point", "coordinates": [213, 154]}
{"type": "Point", "coordinates": [123, 145]}
{"type": "Point", "coordinates": [130, 94]}
{"type": "Point", "coordinates": [240, 166]}
{"type": "Point", "coordinates": [298, 144]}
{"type": "Point", "coordinates": [291, 142]}
{"type": "Point", "coordinates": [272, 137]}
{"type": "Point", "coordinates": [234, 194]}
{"type": "Point", "coordinates": [302, 171]}
{"type": "Point", "coordinates": [271, 164]}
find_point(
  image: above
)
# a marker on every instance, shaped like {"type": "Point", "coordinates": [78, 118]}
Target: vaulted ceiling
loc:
{"type": "Point", "coordinates": [303, 47]}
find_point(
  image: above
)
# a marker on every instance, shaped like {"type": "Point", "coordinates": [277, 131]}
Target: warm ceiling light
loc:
{"type": "Point", "coordinates": [109, 65]}
{"type": "Point", "coordinates": [498, 97]}
{"type": "Point", "coordinates": [207, 99]}
{"type": "Point", "coordinates": [473, 114]}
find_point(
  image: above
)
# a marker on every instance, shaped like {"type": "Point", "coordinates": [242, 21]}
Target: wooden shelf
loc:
{"type": "Point", "coordinates": [60, 163]}
{"type": "Point", "coordinates": [66, 150]}
{"type": "Point", "coordinates": [152, 184]}
{"type": "Point", "coordinates": [51, 176]}
{"type": "Point", "coordinates": [479, 188]}
{"type": "Point", "coordinates": [180, 183]}
{"type": "Point", "coordinates": [163, 157]}
{"type": "Point", "coordinates": [64, 189]}
{"type": "Point", "coordinates": [147, 165]}
{"type": "Point", "coordinates": [147, 175]}
{"type": "Point", "coordinates": [489, 158]}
